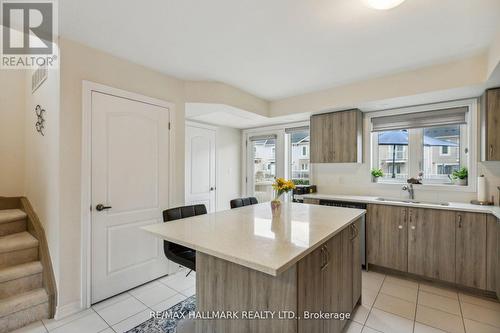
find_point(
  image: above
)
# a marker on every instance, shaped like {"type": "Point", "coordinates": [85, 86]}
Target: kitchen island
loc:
{"type": "Point", "coordinates": [274, 275]}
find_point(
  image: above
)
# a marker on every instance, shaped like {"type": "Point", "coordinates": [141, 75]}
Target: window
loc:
{"type": "Point", "coordinates": [298, 165]}
{"type": "Point", "coordinates": [426, 145]}
{"type": "Point", "coordinates": [264, 166]}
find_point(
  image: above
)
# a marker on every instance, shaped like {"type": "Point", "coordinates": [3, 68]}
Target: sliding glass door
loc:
{"type": "Point", "coordinates": [263, 173]}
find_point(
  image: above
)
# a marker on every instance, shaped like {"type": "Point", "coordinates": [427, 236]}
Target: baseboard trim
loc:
{"type": "Point", "coordinates": [68, 310]}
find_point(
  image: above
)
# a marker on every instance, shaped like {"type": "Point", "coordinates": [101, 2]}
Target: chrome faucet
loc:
{"type": "Point", "coordinates": [410, 190]}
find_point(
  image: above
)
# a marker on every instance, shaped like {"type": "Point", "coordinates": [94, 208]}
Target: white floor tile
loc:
{"type": "Point", "coordinates": [439, 319]}
{"type": "Point", "coordinates": [117, 312]}
{"type": "Point", "coordinates": [107, 330]}
{"type": "Point", "coordinates": [368, 297]}
{"type": "Point", "coordinates": [439, 302]}
{"type": "Point", "coordinates": [179, 281]}
{"type": "Point", "coordinates": [353, 327]}
{"type": "Point", "coordinates": [481, 314]}
{"type": "Point", "coordinates": [396, 306]}
{"type": "Point", "coordinates": [168, 303]}
{"type": "Point", "coordinates": [361, 314]}
{"type": "Point", "coordinates": [402, 282]}
{"type": "Point", "coordinates": [367, 329]}
{"type": "Point", "coordinates": [421, 328]}
{"type": "Point", "coordinates": [439, 291]}
{"type": "Point", "coordinates": [88, 324]}
{"type": "Point", "coordinates": [189, 292]}
{"type": "Point", "coordinates": [485, 303]}
{"type": "Point", "coordinates": [153, 293]}
{"type": "Point", "coordinates": [52, 324]}
{"type": "Point", "coordinates": [110, 301]}
{"type": "Point", "coordinates": [472, 326]}
{"type": "Point", "coordinates": [132, 322]}
{"type": "Point", "coordinates": [396, 290]}
{"type": "Point", "coordinates": [388, 323]}
{"type": "Point", "coordinates": [36, 327]}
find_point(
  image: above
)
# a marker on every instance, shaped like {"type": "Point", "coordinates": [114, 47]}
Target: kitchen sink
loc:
{"type": "Point", "coordinates": [409, 201]}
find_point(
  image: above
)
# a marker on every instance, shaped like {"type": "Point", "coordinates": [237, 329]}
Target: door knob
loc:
{"type": "Point", "coordinates": [101, 207]}
{"type": "Point", "coordinates": [212, 189]}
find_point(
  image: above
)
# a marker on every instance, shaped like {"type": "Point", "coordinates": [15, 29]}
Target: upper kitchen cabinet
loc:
{"type": "Point", "coordinates": [337, 137]}
{"type": "Point", "coordinates": [490, 125]}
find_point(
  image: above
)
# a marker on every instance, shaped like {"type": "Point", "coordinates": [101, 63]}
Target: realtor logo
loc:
{"type": "Point", "coordinates": [28, 30]}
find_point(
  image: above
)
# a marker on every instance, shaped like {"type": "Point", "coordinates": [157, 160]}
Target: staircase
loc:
{"type": "Point", "coordinates": [23, 297]}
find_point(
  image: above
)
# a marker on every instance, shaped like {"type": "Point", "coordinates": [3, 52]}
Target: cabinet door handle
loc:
{"type": "Point", "coordinates": [322, 257]}
{"type": "Point", "coordinates": [491, 151]}
{"type": "Point", "coordinates": [327, 257]}
{"type": "Point", "coordinates": [400, 227]}
{"type": "Point", "coordinates": [459, 221]}
{"type": "Point", "coordinates": [413, 227]}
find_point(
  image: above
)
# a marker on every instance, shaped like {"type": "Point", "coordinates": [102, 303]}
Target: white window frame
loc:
{"type": "Point", "coordinates": [283, 154]}
{"type": "Point", "coordinates": [472, 156]}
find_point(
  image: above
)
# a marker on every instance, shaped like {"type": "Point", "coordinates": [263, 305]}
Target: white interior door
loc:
{"type": "Point", "coordinates": [130, 153]}
{"type": "Point", "coordinates": [200, 166]}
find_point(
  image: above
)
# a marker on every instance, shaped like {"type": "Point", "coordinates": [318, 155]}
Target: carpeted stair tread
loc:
{"type": "Point", "coordinates": [22, 301]}
{"type": "Point", "coordinates": [10, 215]}
{"type": "Point", "coordinates": [19, 271]}
{"type": "Point", "coordinates": [18, 241]}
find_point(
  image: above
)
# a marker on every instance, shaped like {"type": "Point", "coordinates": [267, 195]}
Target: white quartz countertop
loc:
{"type": "Point", "coordinates": [466, 207]}
{"type": "Point", "coordinates": [248, 236]}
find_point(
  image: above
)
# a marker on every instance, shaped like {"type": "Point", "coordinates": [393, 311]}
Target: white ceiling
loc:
{"type": "Point", "coordinates": [280, 48]}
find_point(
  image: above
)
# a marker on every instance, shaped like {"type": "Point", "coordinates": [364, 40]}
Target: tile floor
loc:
{"type": "Point", "coordinates": [390, 304]}
{"type": "Point", "coordinates": [394, 305]}
{"type": "Point", "coordinates": [125, 311]}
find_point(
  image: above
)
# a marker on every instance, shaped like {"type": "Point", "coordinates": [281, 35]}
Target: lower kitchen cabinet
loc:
{"type": "Point", "coordinates": [387, 236]}
{"type": "Point", "coordinates": [333, 290]}
{"type": "Point", "coordinates": [356, 263]}
{"type": "Point", "coordinates": [471, 250]}
{"type": "Point", "coordinates": [431, 243]}
{"type": "Point", "coordinates": [491, 253]}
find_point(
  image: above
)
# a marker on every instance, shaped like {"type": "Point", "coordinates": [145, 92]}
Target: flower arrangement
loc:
{"type": "Point", "coordinates": [281, 186]}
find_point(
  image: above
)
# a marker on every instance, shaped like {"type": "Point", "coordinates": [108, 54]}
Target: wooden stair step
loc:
{"type": "Point", "coordinates": [20, 278]}
{"type": "Point", "coordinates": [18, 248]}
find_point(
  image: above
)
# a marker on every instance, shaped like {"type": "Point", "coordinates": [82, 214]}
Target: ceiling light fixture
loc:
{"type": "Point", "coordinates": [383, 4]}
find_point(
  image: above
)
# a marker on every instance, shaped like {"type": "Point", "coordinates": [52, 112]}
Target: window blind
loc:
{"type": "Point", "coordinates": [296, 129]}
{"type": "Point", "coordinates": [443, 117]}
{"type": "Point", "coordinates": [263, 137]}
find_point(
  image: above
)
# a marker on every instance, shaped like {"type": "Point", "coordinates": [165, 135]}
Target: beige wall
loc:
{"type": "Point", "coordinates": [453, 75]}
{"type": "Point", "coordinates": [80, 63]}
{"type": "Point", "coordinates": [12, 117]}
{"type": "Point", "coordinates": [494, 55]}
{"type": "Point", "coordinates": [42, 159]}
{"type": "Point", "coordinates": [228, 166]}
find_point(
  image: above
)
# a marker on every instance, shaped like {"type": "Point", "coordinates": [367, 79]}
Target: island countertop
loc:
{"type": "Point", "coordinates": [248, 236]}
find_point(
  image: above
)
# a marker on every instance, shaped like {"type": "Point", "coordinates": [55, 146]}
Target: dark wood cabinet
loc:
{"type": "Point", "coordinates": [471, 250]}
{"type": "Point", "coordinates": [328, 280]}
{"type": "Point", "coordinates": [431, 243]}
{"type": "Point", "coordinates": [492, 249]}
{"type": "Point", "coordinates": [490, 119]}
{"type": "Point", "coordinates": [356, 263]}
{"type": "Point", "coordinates": [387, 236]}
{"type": "Point", "coordinates": [337, 137]}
